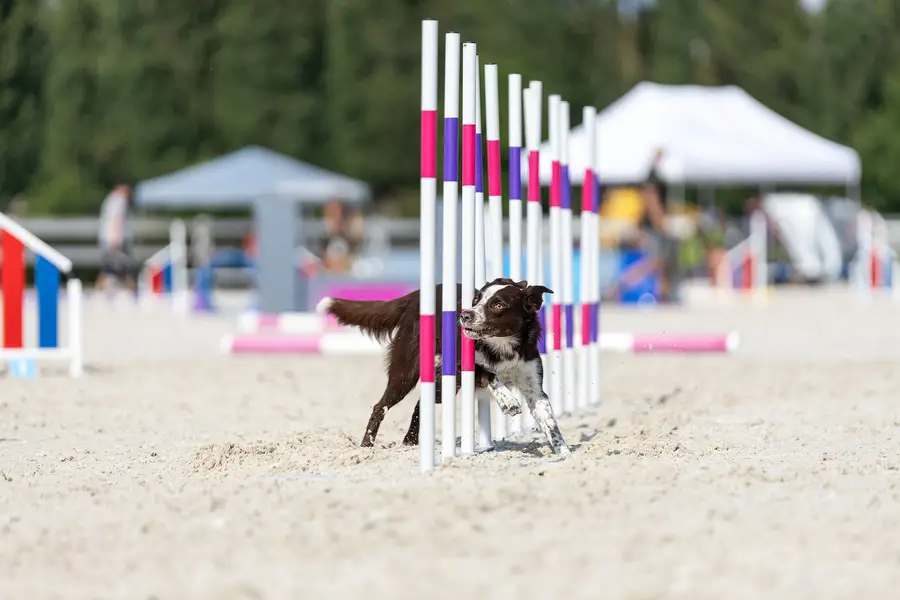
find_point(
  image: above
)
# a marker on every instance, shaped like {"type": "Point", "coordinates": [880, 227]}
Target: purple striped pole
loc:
{"type": "Point", "coordinates": [586, 384]}
{"type": "Point", "coordinates": [515, 200]}
{"type": "Point", "coordinates": [594, 354]}
{"type": "Point", "coordinates": [557, 381]}
{"type": "Point", "coordinates": [568, 249]}
{"type": "Point", "coordinates": [427, 236]}
{"type": "Point", "coordinates": [451, 206]}
{"type": "Point", "coordinates": [467, 375]}
{"type": "Point", "coordinates": [495, 198]}
{"type": "Point", "coordinates": [482, 398]}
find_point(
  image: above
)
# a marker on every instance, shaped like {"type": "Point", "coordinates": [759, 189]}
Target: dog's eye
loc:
{"type": "Point", "coordinates": [499, 306]}
{"type": "Point", "coordinates": [476, 299]}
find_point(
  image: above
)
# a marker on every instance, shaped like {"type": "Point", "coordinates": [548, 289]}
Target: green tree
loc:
{"type": "Point", "coordinates": [268, 72]}
{"type": "Point", "coordinates": [155, 75]}
{"type": "Point", "coordinates": [372, 83]}
{"type": "Point", "coordinates": [877, 141]}
{"type": "Point", "coordinates": [68, 180]}
{"type": "Point", "coordinates": [23, 59]}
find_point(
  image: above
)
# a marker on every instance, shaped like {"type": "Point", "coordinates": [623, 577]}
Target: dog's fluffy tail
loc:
{"type": "Point", "coordinates": [378, 319]}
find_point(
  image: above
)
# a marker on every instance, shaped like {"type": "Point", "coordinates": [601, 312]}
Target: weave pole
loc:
{"type": "Point", "coordinates": [557, 382]}
{"type": "Point", "coordinates": [594, 237]}
{"type": "Point", "coordinates": [482, 398]}
{"type": "Point", "coordinates": [495, 199]}
{"type": "Point", "coordinates": [515, 201]}
{"type": "Point", "coordinates": [588, 263]}
{"type": "Point", "coordinates": [534, 214]}
{"type": "Point", "coordinates": [448, 264]}
{"type": "Point", "coordinates": [467, 375]}
{"type": "Point", "coordinates": [427, 237]}
{"type": "Point", "coordinates": [568, 250]}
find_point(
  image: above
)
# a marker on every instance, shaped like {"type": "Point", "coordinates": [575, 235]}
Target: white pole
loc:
{"type": "Point", "coordinates": [585, 388]}
{"type": "Point", "coordinates": [178, 258]}
{"type": "Point", "coordinates": [515, 198]}
{"type": "Point", "coordinates": [467, 375]}
{"type": "Point", "coordinates": [449, 281]}
{"type": "Point", "coordinates": [482, 398]}
{"type": "Point", "coordinates": [759, 245]}
{"type": "Point", "coordinates": [864, 254]}
{"type": "Point", "coordinates": [75, 341]}
{"type": "Point", "coordinates": [427, 237]}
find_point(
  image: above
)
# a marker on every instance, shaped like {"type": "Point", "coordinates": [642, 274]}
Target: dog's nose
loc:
{"type": "Point", "coordinates": [465, 317]}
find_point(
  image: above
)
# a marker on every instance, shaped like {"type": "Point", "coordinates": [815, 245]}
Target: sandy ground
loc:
{"type": "Point", "coordinates": [171, 472]}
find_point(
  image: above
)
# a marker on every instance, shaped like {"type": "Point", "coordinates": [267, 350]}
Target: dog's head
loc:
{"type": "Point", "coordinates": [502, 308]}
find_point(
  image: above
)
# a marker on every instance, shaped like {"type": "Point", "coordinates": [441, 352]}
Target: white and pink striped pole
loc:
{"type": "Point", "coordinates": [568, 249]}
{"type": "Point", "coordinates": [588, 258]}
{"type": "Point", "coordinates": [557, 397]}
{"type": "Point", "coordinates": [427, 236]}
{"type": "Point", "coordinates": [535, 213]}
{"type": "Point", "coordinates": [467, 375]}
{"type": "Point", "coordinates": [495, 196]}
{"type": "Point", "coordinates": [450, 227]}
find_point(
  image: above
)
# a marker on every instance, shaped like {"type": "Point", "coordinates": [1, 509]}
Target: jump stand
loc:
{"type": "Point", "coordinates": [165, 274]}
{"type": "Point", "coordinates": [875, 269]}
{"type": "Point", "coordinates": [744, 268]}
{"type": "Point", "coordinates": [49, 267]}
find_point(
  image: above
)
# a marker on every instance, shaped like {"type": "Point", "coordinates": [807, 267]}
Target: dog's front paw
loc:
{"type": "Point", "coordinates": [505, 399]}
{"type": "Point", "coordinates": [510, 410]}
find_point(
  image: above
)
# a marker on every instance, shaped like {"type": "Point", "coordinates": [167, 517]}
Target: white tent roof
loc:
{"type": "Point", "coordinates": [716, 135]}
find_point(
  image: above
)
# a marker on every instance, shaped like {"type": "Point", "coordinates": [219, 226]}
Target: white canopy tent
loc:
{"type": "Point", "coordinates": [710, 135]}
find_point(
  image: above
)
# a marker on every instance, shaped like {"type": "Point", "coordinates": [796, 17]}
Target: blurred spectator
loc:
{"type": "Point", "coordinates": [115, 239]}
{"type": "Point", "coordinates": [343, 237]}
{"type": "Point", "coordinates": [658, 239]}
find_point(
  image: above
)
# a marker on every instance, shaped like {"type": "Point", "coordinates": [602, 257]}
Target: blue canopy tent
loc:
{"type": "Point", "coordinates": [277, 187]}
{"type": "Point", "coordinates": [241, 178]}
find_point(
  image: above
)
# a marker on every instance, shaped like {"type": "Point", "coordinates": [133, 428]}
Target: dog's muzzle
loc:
{"type": "Point", "coordinates": [471, 323]}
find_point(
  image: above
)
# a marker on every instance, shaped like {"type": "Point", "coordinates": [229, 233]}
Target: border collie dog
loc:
{"type": "Point", "coordinates": [504, 325]}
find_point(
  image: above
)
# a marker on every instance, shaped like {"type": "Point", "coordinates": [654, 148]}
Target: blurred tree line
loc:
{"type": "Point", "coordinates": [93, 92]}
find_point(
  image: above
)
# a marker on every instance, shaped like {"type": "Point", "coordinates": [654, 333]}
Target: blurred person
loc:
{"type": "Point", "coordinates": [115, 240]}
{"type": "Point", "coordinates": [356, 230]}
{"type": "Point", "coordinates": [656, 234]}
{"type": "Point", "coordinates": [336, 246]}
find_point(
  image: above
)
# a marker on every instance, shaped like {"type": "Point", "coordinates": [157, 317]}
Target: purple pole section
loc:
{"type": "Point", "coordinates": [595, 307]}
{"type": "Point", "coordinates": [479, 170]}
{"type": "Point", "coordinates": [448, 317]}
{"type": "Point", "coordinates": [567, 206]}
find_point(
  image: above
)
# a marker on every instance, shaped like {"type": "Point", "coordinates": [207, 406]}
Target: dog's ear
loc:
{"type": "Point", "coordinates": [521, 284]}
{"type": "Point", "coordinates": [534, 297]}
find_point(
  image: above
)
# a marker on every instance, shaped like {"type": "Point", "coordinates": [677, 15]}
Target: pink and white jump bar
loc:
{"type": "Point", "coordinates": [351, 342]}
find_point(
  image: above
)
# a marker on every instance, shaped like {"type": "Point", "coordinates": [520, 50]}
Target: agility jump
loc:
{"type": "Point", "coordinates": [49, 267]}
{"type": "Point", "coordinates": [164, 276]}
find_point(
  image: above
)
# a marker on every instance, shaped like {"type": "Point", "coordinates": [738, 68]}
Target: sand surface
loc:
{"type": "Point", "coordinates": [172, 472]}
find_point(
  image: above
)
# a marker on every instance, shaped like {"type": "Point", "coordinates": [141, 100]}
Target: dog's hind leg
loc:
{"type": "Point", "coordinates": [396, 391]}
{"type": "Point", "coordinates": [412, 434]}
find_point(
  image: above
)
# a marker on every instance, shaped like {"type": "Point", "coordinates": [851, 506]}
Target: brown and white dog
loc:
{"type": "Point", "coordinates": [504, 324]}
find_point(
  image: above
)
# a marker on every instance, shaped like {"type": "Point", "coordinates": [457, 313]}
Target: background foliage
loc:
{"type": "Point", "coordinates": [93, 92]}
